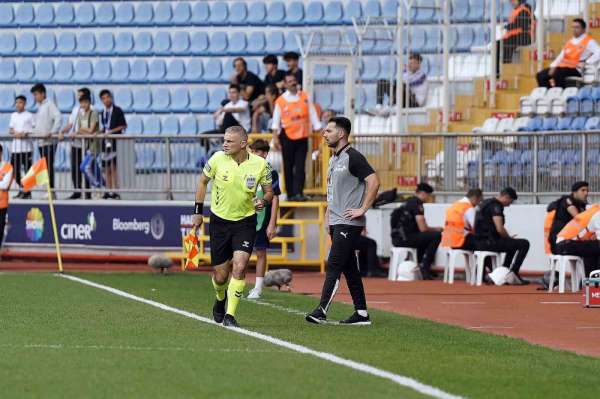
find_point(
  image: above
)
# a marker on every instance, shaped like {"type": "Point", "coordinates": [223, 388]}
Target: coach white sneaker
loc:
{"type": "Point", "coordinates": [254, 294]}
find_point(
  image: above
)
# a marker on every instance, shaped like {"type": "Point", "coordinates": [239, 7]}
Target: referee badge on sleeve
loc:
{"type": "Point", "coordinates": [250, 182]}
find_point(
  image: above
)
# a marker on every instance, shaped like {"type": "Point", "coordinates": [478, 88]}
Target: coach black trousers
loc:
{"type": "Point", "coordinates": [342, 259]}
{"type": "Point", "coordinates": [294, 164]}
{"type": "Point", "coordinates": [588, 250]}
{"type": "Point", "coordinates": [426, 244]}
{"type": "Point", "coordinates": [560, 77]}
{"type": "Point", "coordinates": [514, 248]}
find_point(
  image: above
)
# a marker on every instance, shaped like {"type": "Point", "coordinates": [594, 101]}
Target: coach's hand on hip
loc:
{"type": "Point", "coordinates": [354, 213]}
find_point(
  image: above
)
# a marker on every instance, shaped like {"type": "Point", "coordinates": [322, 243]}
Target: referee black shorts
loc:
{"type": "Point", "coordinates": [228, 236]}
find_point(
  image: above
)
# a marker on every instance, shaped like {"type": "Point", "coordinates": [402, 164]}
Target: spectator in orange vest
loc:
{"type": "Point", "coordinates": [460, 222]}
{"type": "Point", "coordinates": [294, 119]}
{"type": "Point", "coordinates": [580, 238]}
{"type": "Point", "coordinates": [579, 51]}
{"type": "Point", "coordinates": [6, 176]}
{"type": "Point", "coordinates": [519, 31]}
{"type": "Point", "coordinates": [565, 209]}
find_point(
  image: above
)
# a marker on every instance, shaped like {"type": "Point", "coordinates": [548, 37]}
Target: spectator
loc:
{"type": "Point", "coordinates": [234, 113]}
{"type": "Point", "coordinates": [76, 148]}
{"type": "Point", "coordinates": [414, 77]}
{"type": "Point", "coordinates": [491, 235]}
{"type": "Point", "coordinates": [46, 123]}
{"type": "Point", "coordinates": [113, 122]}
{"type": "Point", "coordinates": [21, 154]}
{"type": "Point", "coordinates": [460, 222]}
{"type": "Point", "coordinates": [250, 85]}
{"type": "Point", "coordinates": [88, 125]}
{"type": "Point", "coordinates": [6, 176]}
{"type": "Point", "coordinates": [274, 76]}
{"type": "Point", "coordinates": [263, 108]}
{"type": "Point", "coordinates": [566, 208]}
{"type": "Point", "coordinates": [410, 229]}
{"type": "Point", "coordinates": [293, 60]}
{"type": "Point", "coordinates": [519, 31]}
{"type": "Point", "coordinates": [579, 51]}
{"type": "Point", "coordinates": [292, 120]}
{"type": "Point", "coordinates": [368, 261]}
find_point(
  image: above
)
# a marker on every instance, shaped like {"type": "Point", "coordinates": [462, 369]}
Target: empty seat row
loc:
{"type": "Point", "coordinates": [565, 123]}
{"type": "Point", "coordinates": [557, 101]}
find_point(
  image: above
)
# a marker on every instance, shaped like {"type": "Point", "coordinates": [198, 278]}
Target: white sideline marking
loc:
{"type": "Point", "coordinates": [278, 307]}
{"type": "Point", "coordinates": [490, 327]}
{"type": "Point", "coordinates": [588, 328]}
{"type": "Point", "coordinates": [362, 367]}
{"type": "Point", "coordinates": [463, 303]}
{"type": "Point", "coordinates": [135, 348]}
{"type": "Point", "coordinates": [559, 303]}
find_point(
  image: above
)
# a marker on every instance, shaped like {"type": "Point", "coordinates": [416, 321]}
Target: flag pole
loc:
{"type": "Point", "coordinates": [54, 229]}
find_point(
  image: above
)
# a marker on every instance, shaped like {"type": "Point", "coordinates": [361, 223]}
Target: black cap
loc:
{"type": "Point", "coordinates": [291, 55]}
{"type": "Point", "coordinates": [511, 192]}
{"type": "Point", "coordinates": [579, 184]}
{"type": "Point", "coordinates": [424, 187]}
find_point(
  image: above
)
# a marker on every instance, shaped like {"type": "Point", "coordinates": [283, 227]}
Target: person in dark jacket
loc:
{"type": "Point", "coordinates": [518, 32]}
{"type": "Point", "coordinates": [567, 207]}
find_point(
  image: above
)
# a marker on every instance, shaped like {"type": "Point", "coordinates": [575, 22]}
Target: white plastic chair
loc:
{"type": "Point", "coordinates": [527, 103]}
{"type": "Point", "coordinates": [543, 105]}
{"type": "Point", "coordinates": [480, 257]}
{"type": "Point", "coordinates": [505, 125]}
{"type": "Point", "coordinates": [561, 262]}
{"type": "Point", "coordinates": [519, 123]}
{"type": "Point", "coordinates": [399, 255]}
{"type": "Point", "coordinates": [452, 256]}
{"type": "Point", "coordinates": [489, 126]}
{"type": "Point", "coordinates": [559, 105]}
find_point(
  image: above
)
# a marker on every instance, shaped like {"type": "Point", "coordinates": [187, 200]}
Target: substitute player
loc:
{"type": "Point", "coordinates": [236, 175]}
{"type": "Point", "coordinates": [352, 186]}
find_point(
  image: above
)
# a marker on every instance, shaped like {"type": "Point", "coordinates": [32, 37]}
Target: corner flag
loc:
{"type": "Point", "coordinates": [37, 175]}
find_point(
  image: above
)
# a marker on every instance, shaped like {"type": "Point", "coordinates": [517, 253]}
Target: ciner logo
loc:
{"type": "Point", "coordinates": [79, 231]}
{"type": "Point", "coordinates": [34, 224]}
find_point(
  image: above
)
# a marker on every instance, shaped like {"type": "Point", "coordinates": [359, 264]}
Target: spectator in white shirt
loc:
{"type": "Point", "coordinates": [76, 148]}
{"type": "Point", "coordinates": [234, 113]}
{"type": "Point", "coordinates": [20, 126]}
{"type": "Point", "coordinates": [415, 85]}
{"type": "Point", "coordinates": [579, 51]}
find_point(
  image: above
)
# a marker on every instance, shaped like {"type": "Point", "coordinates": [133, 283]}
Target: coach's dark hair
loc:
{"type": "Point", "coordinates": [510, 192]}
{"type": "Point", "coordinates": [581, 22]}
{"type": "Point", "coordinates": [241, 59]}
{"type": "Point", "coordinates": [270, 59]}
{"type": "Point", "coordinates": [343, 123]}
{"type": "Point", "coordinates": [104, 92]}
{"type": "Point", "coordinates": [235, 86]}
{"type": "Point", "coordinates": [21, 97]}
{"type": "Point", "coordinates": [416, 57]}
{"type": "Point", "coordinates": [475, 193]}
{"type": "Point", "coordinates": [260, 145]}
{"type": "Point", "coordinates": [38, 88]}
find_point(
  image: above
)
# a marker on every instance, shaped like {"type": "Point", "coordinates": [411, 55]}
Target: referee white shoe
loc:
{"type": "Point", "coordinates": [254, 294]}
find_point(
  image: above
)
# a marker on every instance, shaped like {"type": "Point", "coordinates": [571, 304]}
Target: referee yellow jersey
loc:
{"type": "Point", "coordinates": [234, 186]}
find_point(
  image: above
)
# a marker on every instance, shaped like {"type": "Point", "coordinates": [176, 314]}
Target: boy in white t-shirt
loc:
{"type": "Point", "coordinates": [20, 126]}
{"type": "Point", "coordinates": [236, 112]}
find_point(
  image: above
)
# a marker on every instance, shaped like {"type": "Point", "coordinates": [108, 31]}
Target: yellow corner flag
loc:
{"type": "Point", "coordinates": [190, 245]}
{"type": "Point", "coordinates": [37, 175]}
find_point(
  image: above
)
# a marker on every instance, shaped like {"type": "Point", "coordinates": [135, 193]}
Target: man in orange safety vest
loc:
{"type": "Point", "coordinates": [460, 220]}
{"type": "Point", "coordinates": [580, 238]}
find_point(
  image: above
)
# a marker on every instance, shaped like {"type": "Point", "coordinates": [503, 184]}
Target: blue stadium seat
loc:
{"type": "Point", "coordinates": [534, 125]}
{"type": "Point", "coordinates": [65, 100]}
{"type": "Point", "coordinates": [578, 123]}
{"type": "Point", "coordinates": [120, 71]}
{"type": "Point", "coordinates": [163, 14]}
{"type": "Point", "coordinates": [181, 43]}
{"type": "Point", "coordinates": [152, 125]}
{"type": "Point", "coordinates": [237, 44]}
{"type": "Point", "coordinates": [218, 43]}
{"type": "Point", "coordinates": [564, 123]}
{"type": "Point", "coordinates": [176, 71]}
{"type": "Point", "coordinates": [257, 14]}
{"type": "Point", "coordinates": [291, 43]}
{"type": "Point", "coordinates": [314, 13]}
{"type": "Point", "coordinates": [160, 160]}
{"type": "Point", "coordinates": [352, 9]}
{"type": "Point", "coordinates": [592, 123]}
{"type": "Point", "coordinates": [254, 67]}
{"type": "Point", "coordinates": [105, 15]}
{"type": "Point", "coordinates": [198, 100]}
{"type": "Point", "coordinates": [182, 13]}
{"type": "Point", "coordinates": [275, 13]}
{"type": "Point", "coordinates": [370, 69]}
{"type": "Point", "coordinates": [26, 44]}
{"type": "Point", "coordinates": [206, 123]}
{"type": "Point", "coordinates": [320, 72]}
{"type": "Point", "coordinates": [7, 15]}
{"type": "Point", "coordinates": [86, 44]}
{"type": "Point", "coordinates": [142, 100]}
{"type": "Point", "coordinates": [124, 43]}
{"type": "Point", "coordinates": [24, 15]}
{"type": "Point", "coordinates": [144, 14]}
{"type": "Point", "coordinates": [180, 100]}
{"type": "Point", "coordinates": [572, 105]}
{"type": "Point", "coordinates": [82, 71]}
{"type": "Point", "coordinates": [7, 102]}
{"type": "Point", "coordinates": [143, 43]}
{"type": "Point", "coordinates": [459, 11]}
{"type": "Point", "coordinates": [189, 125]}
{"type": "Point", "coordinates": [8, 44]}
{"type": "Point", "coordinates": [466, 38]}
{"type": "Point", "coordinates": [44, 15]}
{"type": "Point", "coordinates": [157, 70]}
{"type": "Point", "coordinates": [66, 43]}
{"type": "Point", "coordinates": [334, 13]}
{"type": "Point", "coordinates": [256, 43]}
{"type": "Point", "coordinates": [7, 71]}
{"type": "Point", "coordinates": [162, 43]}
{"type": "Point", "coordinates": [45, 70]}
{"type": "Point", "coordinates": [139, 71]}
{"type": "Point", "coordinates": [372, 9]}
{"type": "Point", "coordinates": [25, 71]}
{"type": "Point", "coordinates": [482, 37]}
{"type": "Point", "coordinates": [389, 9]}
{"type": "Point", "coordinates": [388, 68]}
{"type": "Point", "coordinates": [217, 95]}
{"type": "Point", "coordinates": [336, 73]}
{"type": "Point", "coordinates": [200, 13]}
{"type": "Point", "coordinates": [65, 15]}
{"type": "Point", "coordinates": [337, 103]}
{"type": "Point", "coordinates": [418, 39]}
{"type": "Point", "coordinates": [476, 11]}
{"type": "Point", "coordinates": [46, 43]}
{"type": "Point", "coordinates": [227, 70]}
{"type": "Point", "coordinates": [549, 123]}
{"type": "Point", "coordinates": [170, 126]}
{"type": "Point", "coordinates": [426, 12]}
{"type": "Point", "coordinates": [384, 42]}
{"type": "Point", "coordinates": [194, 70]}
{"type": "Point", "coordinates": [323, 98]}
{"type": "Point", "coordinates": [124, 99]}
{"type": "Point", "coordinates": [102, 71]}
{"type": "Point", "coordinates": [125, 14]}
{"type": "Point", "coordinates": [275, 43]}
{"type": "Point", "coordinates": [64, 71]}
{"type": "Point", "coordinates": [135, 126]}
{"type": "Point", "coordinates": [294, 14]}
{"type": "Point", "coordinates": [161, 100]}
{"type": "Point", "coordinates": [105, 44]}
{"type": "Point", "coordinates": [238, 12]}
{"type": "Point", "coordinates": [85, 14]}
{"type": "Point", "coordinates": [199, 44]}
{"type": "Point", "coordinates": [180, 156]}
{"type": "Point", "coordinates": [219, 11]}
{"type": "Point", "coordinates": [434, 40]}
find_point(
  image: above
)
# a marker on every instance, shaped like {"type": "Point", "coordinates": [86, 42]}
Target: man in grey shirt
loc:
{"type": "Point", "coordinates": [352, 187]}
{"type": "Point", "coordinates": [47, 122]}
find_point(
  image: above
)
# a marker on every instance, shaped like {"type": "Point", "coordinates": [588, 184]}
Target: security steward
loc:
{"type": "Point", "coordinates": [409, 229]}
{"type": "Point", "coordinates": [6, 177]}
{"type": "Point", "coordinates": [580, 238]}
{"type": "Point", "coordinates": [564, 210]}
{"type": "Point", "coordinates": [460, 222]}
{"type": "Point", "coordinates": [491, 235]}
{"type": "Point", "coordinates": [517, 32]}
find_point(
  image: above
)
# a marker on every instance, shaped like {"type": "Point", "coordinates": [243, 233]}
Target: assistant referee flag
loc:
{"type": "Point", "coordinates": [36, 176]}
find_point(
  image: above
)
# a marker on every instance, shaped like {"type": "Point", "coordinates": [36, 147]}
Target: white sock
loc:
{"type": "Point", "coordinates": [259, 283]}
{"type": "Point", "coordinates": [362, 313]}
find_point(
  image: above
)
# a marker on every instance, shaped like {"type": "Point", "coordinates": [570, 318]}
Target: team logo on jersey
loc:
{"type": "Point", "coordinates": [250, 181]}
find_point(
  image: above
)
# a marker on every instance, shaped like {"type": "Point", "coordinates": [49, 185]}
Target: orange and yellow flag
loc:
{"type": "Point", "coordinates": [190, 244]}
{"type": "Point", "coordinates": [37, 175]}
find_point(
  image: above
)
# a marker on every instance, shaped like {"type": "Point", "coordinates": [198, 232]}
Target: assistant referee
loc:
{"type": "Point", "coordinates": [236, 175]}
{"type": "Point", "coordinates": [352, 186]}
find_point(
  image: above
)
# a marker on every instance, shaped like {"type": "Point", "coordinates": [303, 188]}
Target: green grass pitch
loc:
{"type": "Point", "coordinates": [59, 339]}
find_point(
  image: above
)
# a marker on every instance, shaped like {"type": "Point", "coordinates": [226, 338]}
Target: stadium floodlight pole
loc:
{"type": "Point", "coordinates": [446, 81]}
{"type": "Point", "coordinates": [493, 58]}
{"type": "Point", "coordinates": [540, 35]}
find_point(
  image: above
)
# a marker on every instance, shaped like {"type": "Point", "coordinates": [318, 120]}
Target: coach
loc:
{"type": "Point", "coordinates": [352, 186]}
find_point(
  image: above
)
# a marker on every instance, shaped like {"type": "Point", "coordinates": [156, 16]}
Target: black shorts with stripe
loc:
{"type": "Point", "coordinates": [228, 236]}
